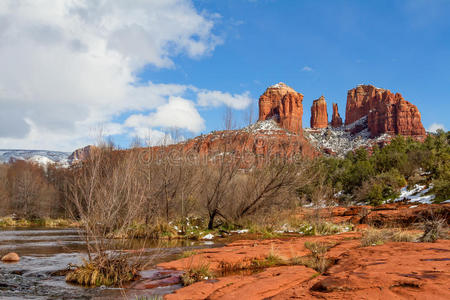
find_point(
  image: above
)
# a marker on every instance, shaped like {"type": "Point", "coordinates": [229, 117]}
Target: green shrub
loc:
{"type": "Point", "coordinates": [442, 188]}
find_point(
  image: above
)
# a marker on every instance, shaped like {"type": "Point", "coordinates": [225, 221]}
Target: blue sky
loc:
{"type": "Point", "coordinates": [326, 47]}
{"type": "Point", "coordinates": [140, 68]}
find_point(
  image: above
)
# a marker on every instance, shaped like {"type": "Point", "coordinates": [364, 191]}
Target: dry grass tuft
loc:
{"type": "Point", "coordinates": [317, 260]}
{"type": "Point", "coordinates": [196, 274]}
{"type": "Point", "coordinates": [374, 237]}
{"type": "Point", "coordinates": [106, 271]}
{"type": "Point", "coordinates": [434, 229]}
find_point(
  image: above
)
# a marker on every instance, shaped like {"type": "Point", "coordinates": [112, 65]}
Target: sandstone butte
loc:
{"type": "Point", "coordinates": [319, 114]}
{"type": "Point", "coordinates": [336, 120]}
{"type": "Point", "coordinates": [280, 104]}
{"type": "Point", "coordinates": [284, 105]}
{"type": "Point", "coordinates": [386, 112]}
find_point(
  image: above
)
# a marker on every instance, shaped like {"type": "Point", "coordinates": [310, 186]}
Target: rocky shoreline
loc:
{"type": "Point", "coordinates": [393, 270]}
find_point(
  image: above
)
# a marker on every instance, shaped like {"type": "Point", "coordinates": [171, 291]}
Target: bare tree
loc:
{"type": "Point", "coordinates": [249, 117]}
{"type": "Point", "coordinates": [228, 119]}
{"type": "Point", "coordinates": [266, 186]}
{"type": "Point", "coordinates": [136, 142]}
{"type": "Point", "coordinates": [26, 182]}
{"type": "Point", "coordinates": [4, 201]}
{"type": "Point", "coordinates": [107, 196]}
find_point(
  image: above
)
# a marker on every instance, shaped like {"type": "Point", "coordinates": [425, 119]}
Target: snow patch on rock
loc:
{"type": "Point", "coordinates": [266, 125]}
{"type": "Point", "coordinates": [416, 195]}
{"type": "Point", "coordinates": [339, 141]}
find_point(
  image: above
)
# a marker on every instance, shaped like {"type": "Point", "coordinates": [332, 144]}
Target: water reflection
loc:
{"type": "Point", "coordinates": [44, 251]}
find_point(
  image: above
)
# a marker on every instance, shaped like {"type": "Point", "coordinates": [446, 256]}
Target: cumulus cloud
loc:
{"type": "Point", "coordinates": [177, 113]}
{"type": "Point", "coordinates": [307, 69]}
{"type": "Point", "coordinates": [217, 98]}
{"type": "Point", "coordinates": [435, 127]}
{"type": "Point", "coordinates": [68, 66]}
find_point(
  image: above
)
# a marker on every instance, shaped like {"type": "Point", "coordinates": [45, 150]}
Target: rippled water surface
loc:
{"type": "Point", "coordinates": [45, 251]}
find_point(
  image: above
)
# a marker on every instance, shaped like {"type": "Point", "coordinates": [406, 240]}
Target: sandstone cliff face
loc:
{"type": "Point", "coordinates": [319, 114]}
{"type": "Point", "coordinates": [81, 154]}
{"type": "Point", "coordinates": [386, 112]}
{"type": "Point", "coordinates": [336, 120]}
{"type": "Point", "coordinates": [253, 146]}
{"type": "Point", "coordinates": [284, 105]}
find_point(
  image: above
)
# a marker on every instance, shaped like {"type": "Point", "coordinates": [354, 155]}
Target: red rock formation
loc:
{"type": "Point", "coordinates": [319, 114]}
{"type": "Point", "coordinates": [11, 257]}
{"type": "Point", "coordinates": [386, 112]}
{"type": "Point", "coordinates": [81, 154]}
{"type": "Point", "coordinates": [336, 120]}
{"type": "Point", "coordinates": [284, 105]}
{"type": "Point", "coordinates": [254, 146]}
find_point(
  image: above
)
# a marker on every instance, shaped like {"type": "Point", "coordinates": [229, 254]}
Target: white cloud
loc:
{"type": "Point", "coordinates": [307, 69]}
{"type": "Point", "coordinates": [435, 126]}
{"type": "Point", "coordinates": [70, 66]}
{"type": "Point", "coordinates": [177, 113]}
{"type": "Point", "coordinates": [217, 98]}
{"type": "Point", "coordinates": [151, 137]}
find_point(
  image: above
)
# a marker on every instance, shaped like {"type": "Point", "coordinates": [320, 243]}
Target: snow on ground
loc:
{"type": "Point", "coordinates": [41, 160]}
{"type": "Point", "coordinates": [416, 195]}
{"type": "Point", "coordinates": [209, 236]}
{"type": "Point", "coordinates": [358, 123]}
{"type": "Point", "coordinates": [341, 140]}
{"type": "Point", "coordinates": [38, 156]}
{"type": "Point", "coordinates": [239, 231]}
{"type": "Point", "coordinates": [268, 126]}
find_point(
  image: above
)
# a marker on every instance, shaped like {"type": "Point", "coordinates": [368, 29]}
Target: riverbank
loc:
{"type": "Point", "coordinates": [46, 254]}
{"type": "Point", "coordinates": [394, 270]}
{"type": "Point", "coordinates": [7, 222]}
{"type": "Point", "coordinates": [388, 256]}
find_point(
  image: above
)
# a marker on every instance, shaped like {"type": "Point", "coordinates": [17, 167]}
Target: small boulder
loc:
{"type": "Point", "coordinates": [11, 257]}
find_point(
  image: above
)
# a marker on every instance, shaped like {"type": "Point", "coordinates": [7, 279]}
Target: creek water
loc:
{"type": "Point", "coordinates": [45, 251]}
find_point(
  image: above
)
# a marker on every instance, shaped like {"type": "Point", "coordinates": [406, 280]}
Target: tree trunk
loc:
{"type": "Point", "coordinates": [211, 221]}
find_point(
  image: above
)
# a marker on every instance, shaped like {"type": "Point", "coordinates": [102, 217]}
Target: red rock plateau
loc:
{"type": "Point", "coordinates": [319, 114]}
{"type": "Point", "coordinates": [284, 105]}
{"type": "Point", "coordinates": [251, 144]}
{"type": "Point", "coordinates": [336, 120]}
{"type": "Point", "coordinates": [394, 270]}
{"type": "Point", "coordinates": [386, 112]}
